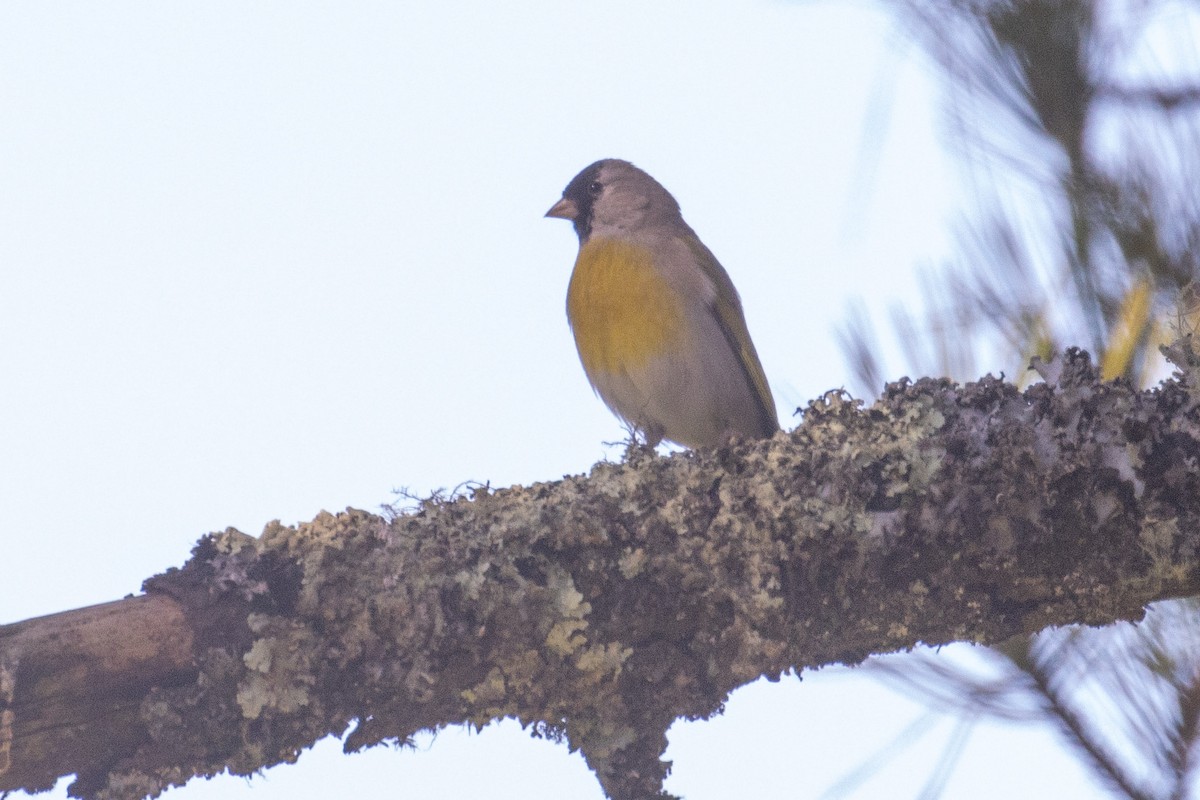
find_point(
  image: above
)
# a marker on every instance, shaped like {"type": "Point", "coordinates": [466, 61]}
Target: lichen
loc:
{"type": "Point", "coordinates": [600, 608]}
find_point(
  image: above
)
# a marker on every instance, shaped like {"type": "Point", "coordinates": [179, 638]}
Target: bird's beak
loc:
{"type": "Point", "coordinates": [564, 209]}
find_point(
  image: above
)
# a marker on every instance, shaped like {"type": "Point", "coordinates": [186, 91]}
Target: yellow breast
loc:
{"type": "Point", "coordinates": [621, 311]}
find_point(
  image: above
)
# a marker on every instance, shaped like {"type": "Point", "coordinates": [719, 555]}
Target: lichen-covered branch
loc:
{"type": "Point", "coordinates": [600, 608]}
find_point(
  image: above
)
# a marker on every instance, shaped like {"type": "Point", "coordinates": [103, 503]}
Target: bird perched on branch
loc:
{"type": "Point", "coordinates": [657, 322]}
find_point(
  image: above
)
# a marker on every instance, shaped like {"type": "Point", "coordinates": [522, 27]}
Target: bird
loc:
{"type": "Point", "coordinates": [657, 321]}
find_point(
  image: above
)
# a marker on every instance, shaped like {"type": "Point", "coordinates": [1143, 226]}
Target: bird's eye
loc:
{"type": "Point", "coordinates": [594, 188]}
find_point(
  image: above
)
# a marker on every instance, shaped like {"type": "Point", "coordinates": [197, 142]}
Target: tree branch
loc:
{"type": "Point", "coordinates": [601, 608]}
{"type": "Point", "coordinates": [1163, 98]}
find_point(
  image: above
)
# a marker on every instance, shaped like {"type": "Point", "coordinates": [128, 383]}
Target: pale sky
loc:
{"type": "Point", "coordinates": [263, 259]}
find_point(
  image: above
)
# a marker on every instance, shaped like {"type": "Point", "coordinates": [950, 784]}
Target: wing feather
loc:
{"type": "Point", "coordinates": [728, 308]}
